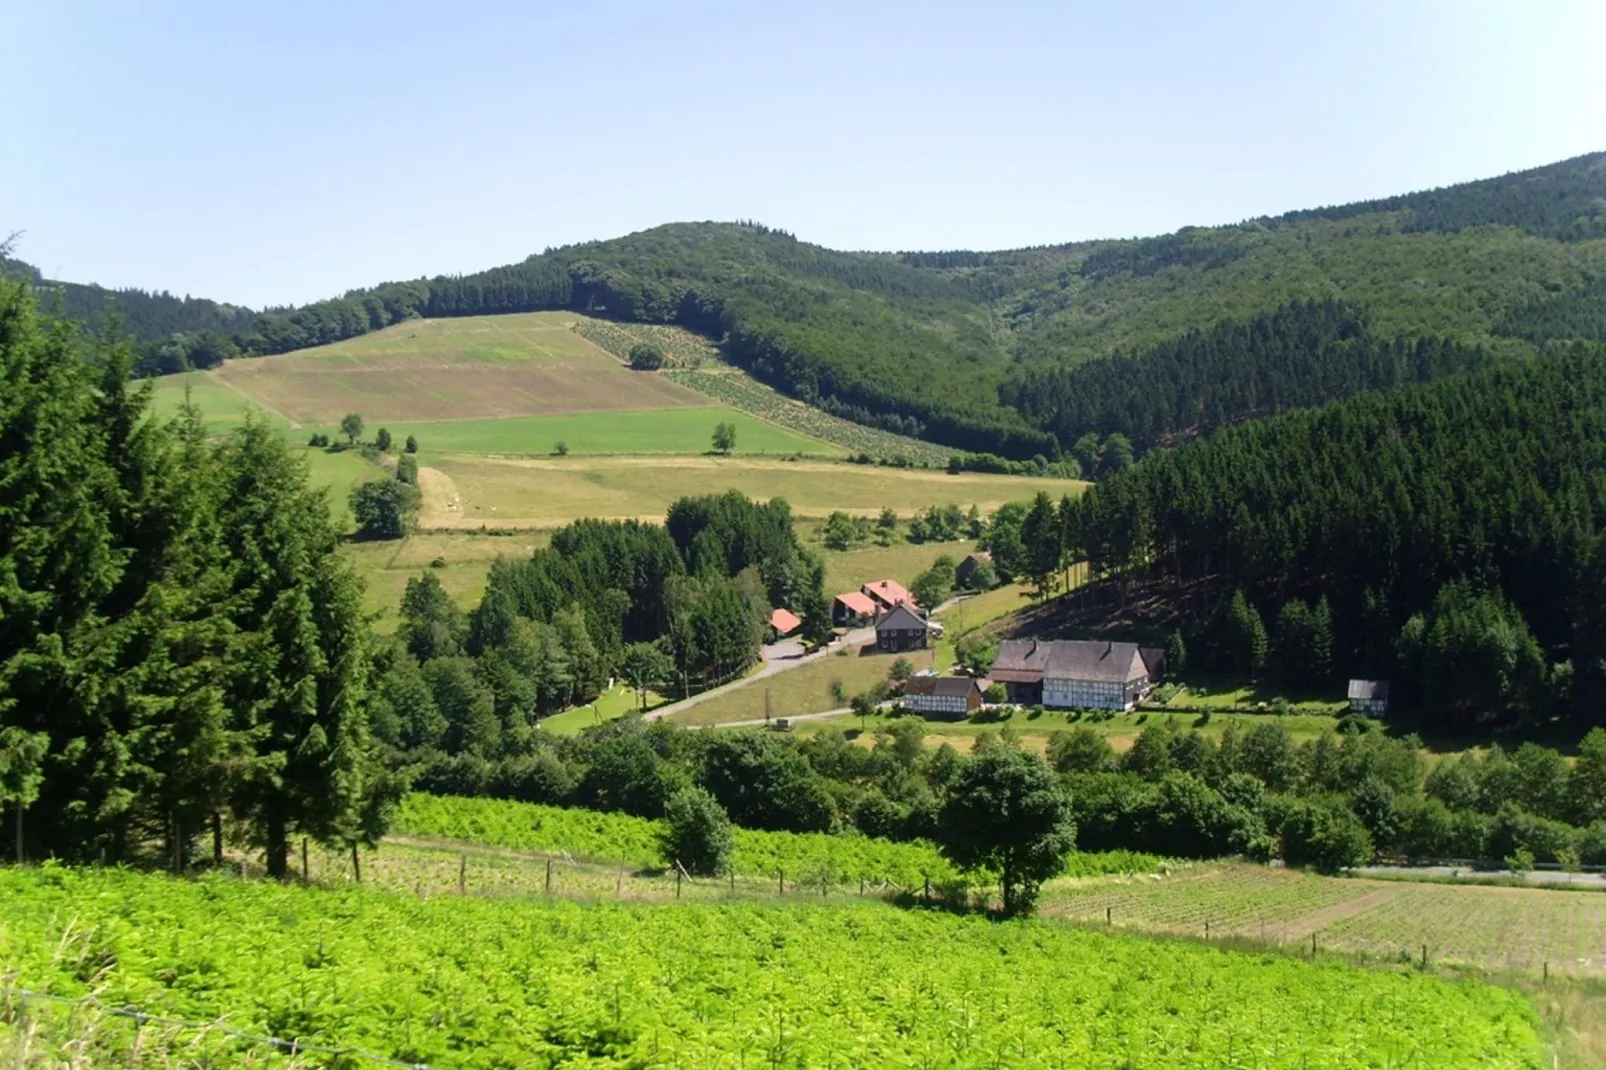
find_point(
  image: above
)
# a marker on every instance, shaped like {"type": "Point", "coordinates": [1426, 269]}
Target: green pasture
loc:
{"type": "Point", "coordinates": [651, 431]}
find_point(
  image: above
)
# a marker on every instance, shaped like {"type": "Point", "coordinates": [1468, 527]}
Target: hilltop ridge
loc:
{"type": "Point", "coordinates": [945, 345]}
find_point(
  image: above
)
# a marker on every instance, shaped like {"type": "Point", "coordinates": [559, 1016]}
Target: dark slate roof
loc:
{"type": "Point", "coordinates": [944, 686]}
{"type": "Point", "coordinates": [1029, 660]}
{"type": "Point", "coordinates": [1369, 689]}
{"type": "Point", "coordinates": [901, 619]}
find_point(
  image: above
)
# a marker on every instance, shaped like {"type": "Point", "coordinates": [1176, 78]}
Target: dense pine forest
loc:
{"type": "Point", "coordinates": [1453, 532]}
{"type": "Point", "coordinates": [971, 349]}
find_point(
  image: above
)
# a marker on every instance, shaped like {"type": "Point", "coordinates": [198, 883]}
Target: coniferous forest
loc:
{"type": "Point", "coordinates": [1454, 530]}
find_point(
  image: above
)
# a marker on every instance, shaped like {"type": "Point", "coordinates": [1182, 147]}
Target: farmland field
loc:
{"type": "Point", "coordinates": [387, 566]}
{"type": "Point", "coordinates": [646, 431]}
{"type": "Point", "coordinates": [551, 491]}
{"type": "Point", "coordinates": [486, 982]}
{"type": "Point", "coordinates": [1488, 927]}
{"type": "Point", "coordinates": [469, 368]}
{"type": "Point", "coordinates": [733, 388]}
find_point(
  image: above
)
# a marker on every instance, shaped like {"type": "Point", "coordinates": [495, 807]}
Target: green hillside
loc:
{"type": "Point", "coordinates": [932, 344]}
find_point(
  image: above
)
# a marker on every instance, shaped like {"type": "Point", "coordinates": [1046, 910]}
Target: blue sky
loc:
{"type": "Point", "coordinates": [275, 153]}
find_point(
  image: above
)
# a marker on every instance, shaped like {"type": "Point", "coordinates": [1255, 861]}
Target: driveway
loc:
{"type": "Point", "coordinates": [773, 665]}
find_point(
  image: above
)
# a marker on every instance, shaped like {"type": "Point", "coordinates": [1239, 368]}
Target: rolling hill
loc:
{"type": "Point", "coordinates": [939, 345]}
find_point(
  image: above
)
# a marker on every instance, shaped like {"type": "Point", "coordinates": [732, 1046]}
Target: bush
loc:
{"type": "Point", "coordinates": [697, 835]}
{"type": "Point", "coordinates": [1326, 836]}
{"type": "Point", "coordinates": [560, 449]}
{"type": "Point", "coordinates": [645, 357]}
{"type": "Point", "coordinates": [319, 441]}
{"type": "Point", "coordinates": [412, 444]}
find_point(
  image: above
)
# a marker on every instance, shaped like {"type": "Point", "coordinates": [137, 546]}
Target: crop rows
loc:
{"type": "Point", "coordinates": [1525, 929]}
{"type": "Point", "coordinates": [681, 348]}
{"type": "Point", "coordinates": [1232, 900]}
{"type": "Point", "coordinates": [497, 983]}
{"type": "Point", "coordinates": [742, 393]}
{"type": "Point", "coordinates": [808, 859]}
{"type": "Point", "coordinates": [1500, 928]}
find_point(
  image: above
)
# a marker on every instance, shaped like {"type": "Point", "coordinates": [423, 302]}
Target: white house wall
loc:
{"type": "Point", "coordinates": [1084, 694]}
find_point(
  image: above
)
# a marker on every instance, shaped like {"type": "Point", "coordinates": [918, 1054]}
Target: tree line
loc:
{"type": "Point", "coordinates": [181, 651]}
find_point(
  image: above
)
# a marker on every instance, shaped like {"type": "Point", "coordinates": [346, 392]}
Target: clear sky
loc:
{"type": "Point", "coordinates": [268, 153]}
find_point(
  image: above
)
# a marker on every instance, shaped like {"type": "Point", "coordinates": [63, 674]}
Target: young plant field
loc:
{"type": "Point", "coordinates": [1530, 930]}
{"type": "Point", "coordinates": [476, 982]}
{"type": "Point", "coordinates": [805, 858]}
{"type": "Point", "coordinates": [681, 348]}
{"type": "Point", "coordinates": [808, 859]}
{"type": "Point", "coordinates": [737, 390]}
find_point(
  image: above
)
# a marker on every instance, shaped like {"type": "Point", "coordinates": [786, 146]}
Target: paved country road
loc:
{"type": "Point", "coordinates": [777, 660]}
{"type": "Point", "coordinates": [772, 667]}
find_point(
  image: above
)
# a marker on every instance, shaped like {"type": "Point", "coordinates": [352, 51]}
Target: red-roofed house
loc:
{"type": "Point", "coordinates": [889, 594]}
{"type": "Point", "coordinates": [851, 608]}
{"type": "Point", "coordinates": [783, 622]}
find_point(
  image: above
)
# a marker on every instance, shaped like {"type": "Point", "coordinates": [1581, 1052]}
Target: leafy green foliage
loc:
{"type": "Point", "coordinates": [384, 508]}
{"type": "Point", "coordinates": [575, 984]}
{"type": "Point", "coordinates": [1006, 814]}
{"type": "Point", "coordinates": [697, 834]}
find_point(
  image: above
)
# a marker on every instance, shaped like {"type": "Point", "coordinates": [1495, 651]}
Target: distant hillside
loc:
{"type": "Point", "coordinates": [939, 345]}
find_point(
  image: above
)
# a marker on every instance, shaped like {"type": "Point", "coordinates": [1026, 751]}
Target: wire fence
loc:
{"type": "Point", "coordinates": [291, 1048]}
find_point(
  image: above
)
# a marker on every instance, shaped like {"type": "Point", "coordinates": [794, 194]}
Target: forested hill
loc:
{"type": "Point", "coordinates": [947, 345]}
{"type": "Point", "coordinates": [1453, 531]}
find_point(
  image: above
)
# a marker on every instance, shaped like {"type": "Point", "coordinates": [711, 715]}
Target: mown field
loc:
{"type": "Point", "coordinates": [466, 559]}
{"type": "Point", "coordinates": [848, 570]}
{"type": "Point", "coordinates": [484, 982]}
{"type": "Point", "coordinates": [641, 431]}
{"type": "Point", "coordinates": [453, 369]}
{"type": "Point", "coordinates": [551, 491]}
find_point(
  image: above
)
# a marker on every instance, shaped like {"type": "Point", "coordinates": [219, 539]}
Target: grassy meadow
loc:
{"type": "Point", "coordinates": [551, 491]}
{"type": "Point", "coordinates": [642, 431]}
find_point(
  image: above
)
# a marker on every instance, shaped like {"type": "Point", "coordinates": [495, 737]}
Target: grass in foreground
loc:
{"type": "Point", "coordinates": [482, 983]}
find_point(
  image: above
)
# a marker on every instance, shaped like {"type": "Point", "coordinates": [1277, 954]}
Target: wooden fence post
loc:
{"type": "Point", "coordinates": [677, 880]}
{"type": "Point", "coordinates": [303, 860]}
{"type": "Point", "coordinates": [356, 864]}
{"type": "Point", "coordinates": [462, 874]}
{"type": "Point", "coordinates": [549, 876]}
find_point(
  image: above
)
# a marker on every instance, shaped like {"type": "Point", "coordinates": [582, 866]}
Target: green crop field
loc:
{"type": "Point", "coordinates": [646, 431]}
{"type": "Point", "coordinates": [488, 982]}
